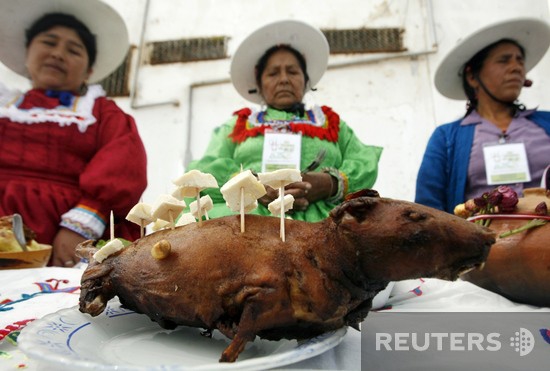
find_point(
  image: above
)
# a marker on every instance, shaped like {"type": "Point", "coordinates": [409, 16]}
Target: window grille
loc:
{"type": "Point", "coordinates": [365, 40]}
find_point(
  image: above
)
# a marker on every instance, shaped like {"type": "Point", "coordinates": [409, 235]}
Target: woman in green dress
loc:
{"type": "Point", "coordinates": [275, 67]}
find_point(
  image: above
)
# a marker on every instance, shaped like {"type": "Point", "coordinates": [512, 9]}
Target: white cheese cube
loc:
{"type": "Point", "coordinates": [159, 224]}
{"type": "Point", "coordinates": [206, 204]}
{"type": "Point", "coordinates": [140, 214]}
{"type": "Point", "coordinates": [185, 219]}
{"type": "Point", "coordinates": [196, 179]}
{"type": "Point", "coordinates": [108, 249]}
{"type": "Point", "coordinates": [252, 189]}
{"type": "Point", "coordinates": [275, 206]}
{"type": "Point", "coordinates": [181, 192]}
{"type": "Point", "coordinates": [280, 178]}
{"type": "Point", "coordinates": [167, 207]}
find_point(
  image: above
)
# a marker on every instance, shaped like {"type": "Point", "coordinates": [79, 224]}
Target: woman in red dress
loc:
{"type": "Point", "coordinates": [68, 155]}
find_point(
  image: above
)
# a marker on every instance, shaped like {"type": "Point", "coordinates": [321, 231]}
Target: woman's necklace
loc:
{"type": "Point", "coordinates": [502, 137]}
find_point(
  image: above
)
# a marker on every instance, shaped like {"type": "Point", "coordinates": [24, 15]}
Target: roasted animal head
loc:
{"type": "Point", "coordinates": [397, 240]}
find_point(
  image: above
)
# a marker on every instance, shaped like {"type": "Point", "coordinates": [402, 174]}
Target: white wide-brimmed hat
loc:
{"type": "Point", "coordinates": [306, 39]}
{"type": "Point", "coordinates": [16, 16]}
{"type": "Point", "coordinates": [532, 34]}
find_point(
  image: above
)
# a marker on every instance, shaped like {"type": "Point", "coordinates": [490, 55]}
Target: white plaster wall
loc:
{"type": "Point", "coordinates": [388, 102]}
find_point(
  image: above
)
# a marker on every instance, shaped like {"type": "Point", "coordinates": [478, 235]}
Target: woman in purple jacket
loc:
{"type": "Point", "coordinates": [497, 141]}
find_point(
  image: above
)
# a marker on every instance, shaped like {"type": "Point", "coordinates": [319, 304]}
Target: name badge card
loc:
{"type": "Point", "coordinates": [281, 151]}
{"type": "Point", "coordinates": [506, 163]}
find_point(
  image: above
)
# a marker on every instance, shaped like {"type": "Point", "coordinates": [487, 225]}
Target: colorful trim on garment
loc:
{"type": "Point", "coordinates": [80, 113]}
{"type": "Point", "coordinates": [251, 124]}
{"type": "Point", "coordinates": [345, 183]}
{"type": "Point", "coordinates": [342, 185]}
{"type": "Point", "coordinates": [85, 221]}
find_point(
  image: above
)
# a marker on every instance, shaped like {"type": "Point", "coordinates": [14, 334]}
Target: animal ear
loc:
{"type": "Point", "coordinates": [359, 208]}
{"type": "Point", "coordinates": [362, 193]}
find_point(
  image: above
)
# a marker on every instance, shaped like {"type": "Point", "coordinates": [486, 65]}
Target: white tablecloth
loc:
{"type": "Point", "coordinates": [29, 294]}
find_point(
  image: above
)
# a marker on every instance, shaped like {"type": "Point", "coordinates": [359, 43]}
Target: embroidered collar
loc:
{"type": "Point", "coordinates": [320, 122]}
{"type": "Point", "coordinates": [80, 112]}
{"type": "Point", "coordinates": [260, 119]}
{"type": "Point", "coordinates": [277, 118]}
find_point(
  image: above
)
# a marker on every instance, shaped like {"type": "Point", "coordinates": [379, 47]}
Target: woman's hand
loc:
{"type": "Point", "coordinates": [314, 186]}
{"type": "Point", "coordinates": [64, 248]}
{"type": "Point", "coordinates": [323, 185]}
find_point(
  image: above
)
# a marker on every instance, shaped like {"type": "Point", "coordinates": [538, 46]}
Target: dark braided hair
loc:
{"type": "Point", "coordinates": [474, 66]}
{"type": "Point", "coordinates": [50, 20]}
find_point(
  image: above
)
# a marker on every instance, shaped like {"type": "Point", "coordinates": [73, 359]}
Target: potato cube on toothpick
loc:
{"type": "Point", "coordinates": [185, 218]}
{"type": "Point", "coordinates": [111, 247]}
{"type": "Point", "coordinates": [278, 179]}
{"type": "Point", "coordinates": [181, 192]}
{"type": "Point", "coordinates": [140, 214]}
{"type": "Point", "coordinates": [252, 190]}
{"type": "Point", "coordinates": [196, 179]}
{"type": "Point", "coordinates": [275, 206]}
{"type": "Point", "coordinates": [241, 193]}
{"type": "Point", "coordinates": [192, 183]}
{"type": "Point", "coordinates": [167, 207]}
{"type": "Point", "coordinates": [205, 204]}
{"type": "Point", "coordinates": [160, 224]}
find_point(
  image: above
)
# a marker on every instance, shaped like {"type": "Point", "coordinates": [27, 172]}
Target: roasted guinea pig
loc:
{"type": "Point", "coordinates": [250, 284]}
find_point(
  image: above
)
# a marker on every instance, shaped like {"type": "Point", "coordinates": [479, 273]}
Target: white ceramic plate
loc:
{"type": "Point", "coordinates": [119, 339]}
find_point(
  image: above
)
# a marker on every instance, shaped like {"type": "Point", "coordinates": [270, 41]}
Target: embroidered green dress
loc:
{"type": "Point", "coordinates": [240, 142]}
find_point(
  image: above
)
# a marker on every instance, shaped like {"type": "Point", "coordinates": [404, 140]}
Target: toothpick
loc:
{"type": "Point", "coordinates": [242, 209]}
{"type": "Point", "coordinates": [112, 226]}
{"type": "Point", "coordinates": [242, 206]}
{"type": "Point", "coordinates": [281, 197]}
{"type": "Point", "coordinates": [199, 211]}
{"type": "Point", "coordinates": [171, 215]}
{"type": "Point", "coordinates": [141, 226]}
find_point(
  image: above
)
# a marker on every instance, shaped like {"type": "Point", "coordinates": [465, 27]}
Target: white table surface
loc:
{"type": "Point", "coordinates": [28, 294]}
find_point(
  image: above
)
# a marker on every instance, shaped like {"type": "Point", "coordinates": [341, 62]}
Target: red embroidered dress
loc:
{"type": "Point", "coordinates": [70, 166]}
